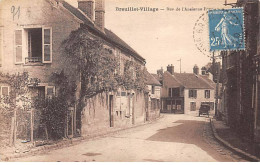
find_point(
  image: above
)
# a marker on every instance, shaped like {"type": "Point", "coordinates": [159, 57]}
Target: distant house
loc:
{"type": "Point", "coordinates": [153, 95]}
{"type": "Point", "coordinates": [184, 92]}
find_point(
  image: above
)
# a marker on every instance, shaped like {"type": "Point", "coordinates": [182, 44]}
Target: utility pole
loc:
{"type": "Point", "coordinates": [180, 64]}
{"type": "Point", "coordinates": [216, 76]}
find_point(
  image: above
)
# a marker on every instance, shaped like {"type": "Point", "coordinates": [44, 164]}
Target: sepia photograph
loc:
{"type": "Point", "coordinates": [129, 81]}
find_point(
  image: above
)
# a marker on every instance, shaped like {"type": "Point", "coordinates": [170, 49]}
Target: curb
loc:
{"type": "Point", "coordinates": [70, 142]}
{"type": "Point", "coordinates": [238, 151]}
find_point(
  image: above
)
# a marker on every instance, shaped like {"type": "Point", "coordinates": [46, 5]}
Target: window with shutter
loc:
{"type": "Point", "coordinates": [18, 46]}
{"type": "Point", "coordinates": [47, 45]}
{"type": "Point", "coordinates": [190, 93]}
{"type": "Point", "coordinates": [207, 93]}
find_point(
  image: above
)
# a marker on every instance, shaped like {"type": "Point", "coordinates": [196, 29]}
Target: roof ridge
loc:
{"type": "Point", "coordinates": [113, 38]}
{"type": "Point", "coordinates": [175, 78]}
{"type": "Point", "coordinates": [206, 81]}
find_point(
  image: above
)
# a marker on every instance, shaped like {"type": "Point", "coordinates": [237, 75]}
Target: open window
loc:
{"type": "Point", "coordinates": [49, 92]}
{"type": "Point", "coordinates": [36, 43]}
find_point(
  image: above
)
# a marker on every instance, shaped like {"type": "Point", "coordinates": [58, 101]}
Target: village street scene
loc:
{"type": "Point", "coordinates": [119, 81]}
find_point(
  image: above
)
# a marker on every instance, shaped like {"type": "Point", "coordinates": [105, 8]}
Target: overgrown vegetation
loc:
{"type": "Point", "coordinates": [54, 110]}
{"type": "Point", "coordinates": [98, 66]}
{"type": "Point", "coordinates": [94, 68]}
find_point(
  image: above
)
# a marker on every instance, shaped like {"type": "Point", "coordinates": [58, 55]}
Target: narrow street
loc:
{"type": "Point", "coordinates": [172, 138]}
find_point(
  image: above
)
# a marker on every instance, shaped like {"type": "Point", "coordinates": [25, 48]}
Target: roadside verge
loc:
{"type": "Point", "coordinates": [236, 150]}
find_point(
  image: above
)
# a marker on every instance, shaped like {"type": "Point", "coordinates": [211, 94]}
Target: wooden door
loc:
{"type": "Point", "coordinates": [111, 121]}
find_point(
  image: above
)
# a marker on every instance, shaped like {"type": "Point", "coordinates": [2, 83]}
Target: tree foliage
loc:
{"type": "Point", "coordinates": [98, 65]}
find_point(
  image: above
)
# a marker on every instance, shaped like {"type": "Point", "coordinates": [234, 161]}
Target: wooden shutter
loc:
{"type": "Point", "coordinates": [18, 46]}
{"type": "Point", "coordinates": [46, 45]}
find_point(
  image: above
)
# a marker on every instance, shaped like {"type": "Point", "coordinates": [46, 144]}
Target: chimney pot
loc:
{"type": "Point", "coordinates": [170, 68]}
{"type": "Point", "coordinates": [196, 70]}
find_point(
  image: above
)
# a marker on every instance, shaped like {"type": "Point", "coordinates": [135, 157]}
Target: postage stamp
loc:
{"type": "Point", "coordinates": [226, 29]}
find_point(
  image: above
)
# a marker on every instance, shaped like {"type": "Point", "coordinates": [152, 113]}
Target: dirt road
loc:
{"type": "Point", "coordinates": [172, 138]}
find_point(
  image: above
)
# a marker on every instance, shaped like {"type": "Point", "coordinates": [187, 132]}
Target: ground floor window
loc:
{"type": "Point", "coordinates": [4, 93]}
{"type": "Point", "coordinates": [46, 92]}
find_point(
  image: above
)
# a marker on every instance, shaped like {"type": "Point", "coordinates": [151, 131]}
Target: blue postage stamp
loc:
{"type": "Point", "coordinates": [226, 29]}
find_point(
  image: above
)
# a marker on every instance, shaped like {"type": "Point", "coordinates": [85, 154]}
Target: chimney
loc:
{"type": "Point", "coordinates": [204, 71]}
{"type": "Point", "coordinates": [100, 14]}
{"type": "Point", "coordinates": [87, 6]}
{"type": "Point", "coordinates": [196, 69]}
{"type": "Point", "coordinates": [170, 69]}
{"type": "Point", "coordinates": [160, 72]}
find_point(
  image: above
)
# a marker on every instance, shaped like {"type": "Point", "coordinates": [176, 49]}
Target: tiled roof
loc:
{"type": "Point", "coordinates": [192, 81]}
{"type": "Point", "coordinates": [151, 80]}
{"type": "Point", "coordinates": [205, 77]}
{"type": "Point", "coordinates": [108, 35]}
{"type": "Point", "coordinates": [156, 76]}
{"type": "Point", "coordinates": [173, 82]}
{"type": "Point", "coordinates": [189, 80]}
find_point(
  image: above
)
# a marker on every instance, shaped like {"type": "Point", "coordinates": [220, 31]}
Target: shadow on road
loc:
{"type": "Point", "coordinates": [188, 132]}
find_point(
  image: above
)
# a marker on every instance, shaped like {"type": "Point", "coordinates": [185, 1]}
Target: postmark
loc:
{"type": "Point", "coordinates": [226, 29]}
{"type": "Point", "coordinates": [200, 34]}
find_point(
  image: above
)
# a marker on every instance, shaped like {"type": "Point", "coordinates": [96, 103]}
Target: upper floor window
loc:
{"type": "Point", "coordinates": [207, 93]}
{"type": "Point", "coordinates": [174, 92]}
{"type": "Point", "coordinates": [33, 45]}
{"type": "Point", "coordinates": [192, 93]}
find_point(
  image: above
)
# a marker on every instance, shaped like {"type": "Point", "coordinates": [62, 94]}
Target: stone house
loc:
{"type": "Point", "coordinates": [240, 90]}
{"type": "Point", "coordinates": [31, 35]}
{"type": "Point", "coordinates": [185, 92]}
{"type": "Point", "coordinates": [153, 96]}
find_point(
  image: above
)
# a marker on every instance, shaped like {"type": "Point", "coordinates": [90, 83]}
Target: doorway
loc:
{"type": "Point", "coordinates": [111, 122]}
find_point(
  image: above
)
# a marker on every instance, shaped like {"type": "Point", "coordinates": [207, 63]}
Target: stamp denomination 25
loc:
{"type": "Point", "coordinates": [226, 29]}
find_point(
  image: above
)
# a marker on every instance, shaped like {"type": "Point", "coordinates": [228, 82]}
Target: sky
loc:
{"type": "Point", "coordinates": [161, 37]}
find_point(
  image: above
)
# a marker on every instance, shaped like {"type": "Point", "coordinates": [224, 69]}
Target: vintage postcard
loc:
{"type": "Point", "coordinates": [129, 81]}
